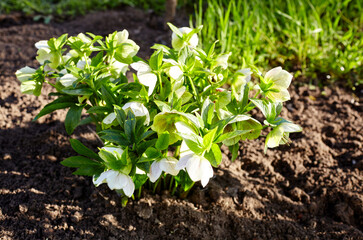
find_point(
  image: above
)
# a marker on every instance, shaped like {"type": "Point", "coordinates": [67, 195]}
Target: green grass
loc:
{"type": "Point", "coordinates": [321, 41]}
{"type": "Point", "coordinates": [70, 8]}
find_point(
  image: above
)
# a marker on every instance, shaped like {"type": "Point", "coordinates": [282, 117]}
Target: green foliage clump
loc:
{"type": "Point", "coordinates": [170, 120]}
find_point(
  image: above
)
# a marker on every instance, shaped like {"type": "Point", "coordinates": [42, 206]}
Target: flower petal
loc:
{"type": "Point", "coordinates": [168, 165]}
{"type": "Point", "coordinates": [194, 168]}
{"type": "Point", "coordinates": [109, 118]}
{"type": "Point", "coordinates": [116, 180]}
{"type": "Point", "coordinates": [101, 179]}
{"type": "Point", "coordinates": [206, 171]}
{"type": "Point", "coordinates": [141, 67]}
{"type": "Point", "coordinates": [149, 80]}
{"type": "Point", "coordinates": [281, 78]}
{"type": "Point", "coordinates": [114, 149]}
{"type": "Point", "coordinates": [42, 44]}
{"type": "Point", "coordinates": [129, 188]}
{"type": "Point", "coordinates": [138, 109]}
{"type": "Point", "coordinates": [175, 72]}
{"type": "Point", "coordinates": [67, 80]}
{"type": "Point", "coordinates": [155, 171]}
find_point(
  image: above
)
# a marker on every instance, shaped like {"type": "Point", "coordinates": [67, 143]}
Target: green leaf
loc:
{"type": "Point", "coordinates": [73, 118]}
{"type": "Point", "coordinates": [78, 161]}
{"type": "Point", "coordinates": [156, 60]}
{"type": "Point", "coordinates": [175, 30]}
{"type": "Point", "coordinates": [108, 95]}
{"type": "Point", "coordinates": [207, 112]}
{"type": "Point", "coordinates": [89, 170]}
{"type": "Point", "coordinates": [164, 107]}
{"type": "Point", "coordinates": [139, 180]}
{"type": "Point", "coordinates": [214, 155]}
{"type": "Point", "coordinates": [111, 161]}
{"type": "Point", "coordinates": [114, 136]}
{"type": "Point", "coordinates": [120, 115]}
{"type": "Point", "coordinates": [97, 59]}
{"type": "Point", "coordinates": [59, 43]}
{"type": "Point", "coordinates": [78, 92]}
{"type": "Point", "coordinates": [149, 155]}
{"type": "Point", "coordinates": [163, 141]}
{"type": "Point", "coordinates": [193, 141]}
{"type": "Point", "coordinates": [230, 135]}
{"type": "Point", "coordinates": [129, 126]}
{"type": "Point", "coordinates": [99, 110]}
{"type": "Point", "coordinates": [234, 150]}
{"type": "Point", "coordinates": [51, 107]}
{"type": "Point", "coordinates": [141, 147]}
{"type": "Point", "coordinates": [83, 150]}
{"type": "Point", "coordinates": [146, 135]}
{"type": "Point", "coordinates": [209, 138]}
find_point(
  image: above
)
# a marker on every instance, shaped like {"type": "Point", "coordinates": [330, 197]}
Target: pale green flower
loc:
{"type": "Point", "coordinates": [178, 43]}
{"type": "Point", "coordinates": [28, 87]}
{"type": "Point", "coordinates": [45, 54]}
{"type": "Point", "coordinates": [222, 61]}
{"type": "Point", "coordinates": [128, 48]}
{"type": "Point", "coordinates": [277, 82]}
{"type": "Point", "coordinates": [279, 135]}
{"type": "Point", "coordinates": [165, 122]}
{"type": "Point", "coordinates": [25, 74]}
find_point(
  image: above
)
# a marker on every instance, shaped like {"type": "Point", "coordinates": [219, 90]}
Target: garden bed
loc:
{"type": "Point", "coordinates": [311, 189]}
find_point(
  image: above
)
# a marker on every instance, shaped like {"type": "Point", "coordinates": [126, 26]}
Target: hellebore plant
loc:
{"type": "Point", "coordinates": [170, 120]}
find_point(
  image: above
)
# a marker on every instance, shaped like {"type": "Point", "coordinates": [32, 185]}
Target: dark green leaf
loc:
{"type": "Point", "coordinates": [99, 110]}
{"type": "Point", "coordinates": [78, 92]}
{"type": "Point", "coordinates": [114, 136]}
{"type": "Point", "coordinates": [51, 107]}
{"type": "Point", "coordinates": [73, 118]}
{"type": "Point", "coordinates": [108, 95]}
{"type": "Point", "coordinates": [83, 150]}
{"type": "Point", "coordinates": [78, 161]}
{"type": "Point", "coordinates": [89, 170]}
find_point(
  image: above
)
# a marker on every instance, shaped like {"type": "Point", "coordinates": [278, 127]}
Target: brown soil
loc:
{"type": "Point", "coordinates": [311, 189]}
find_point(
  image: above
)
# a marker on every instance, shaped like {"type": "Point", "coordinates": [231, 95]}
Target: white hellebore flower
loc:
{"type": "Point", "coordinates": [138, 109]}
{"type": "Point", "coordinates": [166, 164]}
{"type": "Point", "coordinates": [116, 180]}
{"type": "Point", "coordinates": [109, 118]}
{"type": "Point", "coordinates": [118, 67]}
{"type": "Point", "coordinates": [43, 51]}
{"type": "Point", "coordinates": [198, 167]}
{"type": "Point", "coordinates": [281, 80]}
{"type": "Point", "coordinates": [145, 76]}
{"type": "Point", "coordinates": [67, 79]}
{"type": "Point", "coordinates": [174, 71]}
{"type": "Point", "coordinates": [82, 63]}
{"type": "Point", "coordinates": [25, 73]}
{"type": "Point", "coordinates": [178, 43]}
